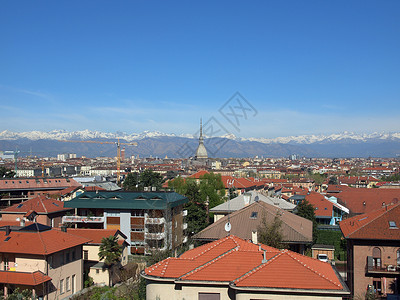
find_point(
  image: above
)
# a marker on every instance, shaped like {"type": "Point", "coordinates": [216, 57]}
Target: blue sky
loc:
{"type": "Point", "coordinates": [306, 67]}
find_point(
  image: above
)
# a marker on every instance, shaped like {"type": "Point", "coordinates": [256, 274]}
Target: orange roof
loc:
{"type": "Point", "coordinates": [363, 200]}
{"type": "Point", "coordinates": [241, 263]}
{"type": "Point", "coordinates": [37, 183]}
{"type": "Point", "coordinates": [95, 235]}
{"type": "Point", "coordinates": [374, 225]}
{"type": "Point", "coordinates": [41, 243]}
{"type": "Point", "coordinates": [322, 206]}
{"type": "Point", "coordinates": [41, 205]}
{"type": "Point", "coordinates": [23, 278]}
{"type": "Point", "coordinates": [198, 174]}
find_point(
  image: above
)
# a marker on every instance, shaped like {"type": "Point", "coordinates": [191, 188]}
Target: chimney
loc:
{"type": "Point", "coordinates": [246, 197]}
{"type": "Point", "coordinates": [254, 237]}
{"type": "Point", "coordinates": [8, 230]}
{"type": "Point", "coordinates": [264, 260]}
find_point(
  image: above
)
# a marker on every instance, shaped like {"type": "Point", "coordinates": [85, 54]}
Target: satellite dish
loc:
{"type": "Point", "coordinates": [228, 227]}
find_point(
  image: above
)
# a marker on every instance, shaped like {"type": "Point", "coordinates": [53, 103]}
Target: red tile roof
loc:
{"type": "Point", "coordinates": [240, 262]}
{"type": "Point", "coordinates": [37, 183]}
{"type": "Point", "coordinates": [363, 200]}
{"type": "Point", "coordinates": [40, 243]}
{"type": "Point", "coordinates": [41, 205]}
{"type": "Point", "coordinates": [94, 235]}
{"type": "Point", "coordinates": [23, 278]}
{"type": "Point", "coordinates": [374, 225]}
{"type": "Point", "coordinates": [199, 174]}
{"type": "Point", "coordinates": [323, 207]}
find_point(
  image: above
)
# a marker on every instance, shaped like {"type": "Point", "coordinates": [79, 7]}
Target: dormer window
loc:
{"type": "Point", "coordinates": [392, 225]}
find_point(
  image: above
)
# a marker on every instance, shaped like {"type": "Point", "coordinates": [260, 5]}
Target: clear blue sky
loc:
{"type": "Point", "coordinates": [307, 67]}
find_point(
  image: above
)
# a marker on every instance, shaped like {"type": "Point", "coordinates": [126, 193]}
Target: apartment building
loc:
{"type": "Point", "coordinates": [149, 220]}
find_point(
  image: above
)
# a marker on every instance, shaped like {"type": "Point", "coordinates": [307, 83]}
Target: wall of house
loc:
{"type": "Point", "coordinates": [249, 296]}
{"type": "Point", "coordinates": [30, 263]}
{"type": "Point", "coordinates": [61, 273]}
{"type": "Point", "coordinates": [99, 275]}
{"type": "Point", "coordinates": [167, 291]}
{"type": "Point", "coordinates": [360, 279]}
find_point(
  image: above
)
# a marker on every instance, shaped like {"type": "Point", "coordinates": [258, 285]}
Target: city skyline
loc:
{"type": "Point", "coordinates": [304, 68]}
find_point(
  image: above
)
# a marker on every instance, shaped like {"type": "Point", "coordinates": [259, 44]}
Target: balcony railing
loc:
{"type": "Point", "coordinates": [154, 236]}
{"type": "Point", "coordinates": [82, 219]}
{"type": "Point", "coordinates": [157, 221]}
{"type": "Point", "coordinates": [385, 269]}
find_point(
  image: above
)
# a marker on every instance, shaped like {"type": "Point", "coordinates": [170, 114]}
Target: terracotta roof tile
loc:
{"type": "Point", "coordinates": [41, 243]}
{"type": "Point", "coordinates": [240, 262]}
{"type": "Point", "coordinates": [374, 225]}
{"type": "Point", "coordinates": [41, 205]}
{"type": "Point", "coordinates": [23, 278]}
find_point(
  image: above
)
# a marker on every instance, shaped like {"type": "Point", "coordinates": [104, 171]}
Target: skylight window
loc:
{"type": "Point", "coordinates": [392, 225]}
{"type": "Point", "coordinates": [20, 205]}
{"type": "Point", "coordinates": [7, 238]}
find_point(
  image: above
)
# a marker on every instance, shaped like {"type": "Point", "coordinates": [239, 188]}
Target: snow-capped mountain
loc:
{"type": "Point", "coordinates": [302, 139]}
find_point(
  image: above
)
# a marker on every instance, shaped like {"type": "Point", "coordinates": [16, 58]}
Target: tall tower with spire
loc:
{"type": "Point", "coordinates": [201, 152]}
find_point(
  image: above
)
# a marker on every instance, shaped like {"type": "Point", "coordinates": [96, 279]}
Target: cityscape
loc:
{"type": "Point", "coordinates": [224, 150]}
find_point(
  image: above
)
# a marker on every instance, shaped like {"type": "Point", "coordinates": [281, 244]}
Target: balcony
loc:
{"type": "Point", "coordinates": [381, 270]}
{"type": "Point", "coordinates": [154, 221]}
{"type": "Point", "coordinates": [82, 219]}
{"type": "Point", "coordinates": [154, 236]}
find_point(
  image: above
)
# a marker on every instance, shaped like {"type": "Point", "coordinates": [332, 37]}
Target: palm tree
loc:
{"type": "Point", "coordinates": [111, 252]}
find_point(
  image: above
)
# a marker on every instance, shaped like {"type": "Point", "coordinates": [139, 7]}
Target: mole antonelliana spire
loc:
{"type": "Point", "coordinates": [201, 151]}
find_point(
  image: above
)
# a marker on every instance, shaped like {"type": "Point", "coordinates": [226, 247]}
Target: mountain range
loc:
{"type": "Point", "coordinates": [158, 144]}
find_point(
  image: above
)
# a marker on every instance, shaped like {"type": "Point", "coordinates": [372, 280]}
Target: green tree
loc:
{"type": "Point", "coordinates": [131, 182]}
{"type": "Point", "coordinates": [110, 251]}
{"type": "Point", "coordinates": [306, 210]}
{"type": "Point", "coordinates": [211, 186]}
{"type": "Point", "coordinates": [7, 173]}
{"type": "Point", "coordinates": [197, 214]}
{"type": "Point", "coordinates": [149, 178]}
{"type": "Point", "coordinates": [178, 184]}
{"type": "Point", "coordinates": [270, 233]}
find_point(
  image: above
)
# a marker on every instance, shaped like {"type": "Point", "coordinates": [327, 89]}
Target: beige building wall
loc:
{"type": "Point", "coordinates": [30, 263]}
{"type": "Point", "coordinates": [99, 276]}
{"type": "Point", "coordinates": [167, 291]}
{"type": "Point", "coordinates": [66, 278]}
{"type": "Point", "coordinates": [248, 296]}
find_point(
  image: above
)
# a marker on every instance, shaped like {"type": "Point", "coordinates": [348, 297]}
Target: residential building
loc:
{"type": "Point", "coordinates": [40, 209]}
{"type": "Point", "coordinates": [245, 223]}
{"type": "Point", "coordinates": [96, 268]}
{"type": "Point", "coordinates": [373, 251]}
{"type": "Point", "coordinates": [45, 260]}
{"type": "Point", "coordinates": [15, 190]}
{"type": "Point", "coordinates": [246, 199]}
{"type": "Point", "coordinates": [233, 268]}
{"type": "Point", "coordinates": [149, 220]}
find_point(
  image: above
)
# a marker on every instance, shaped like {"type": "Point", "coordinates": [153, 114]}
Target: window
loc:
{"type": "Point", "coordinates": [377, 285]}
{"type": "Point", "coordinates": [85, 254]}
{"type": "Point", "coordinates": [392, 225]}
{"type": "Point", "coordinates": [67, 258]}
{"type": "Point", "coordinates": [254, 215]}
{"type": "Point", "coordinates": [73, 284]}
{"type": "Point", "coordinates": [97, 271]}
{"type": "Point", "coordinates": [67, 284]}
{"type": "Point", "coordinates": [6, 264]}
{"type": "Point", "coordinates": [398, 257]}
{"type": "Point", "coordinates": [62, 286]}
{"type": "Point", "coordinates": [50, 262]}
{"type": "Point", "coordinates": [376, 257]}
{"type": "Point", "coordinates": [73, 255]}
{"type": "Point", "coordinates": [209, 296]}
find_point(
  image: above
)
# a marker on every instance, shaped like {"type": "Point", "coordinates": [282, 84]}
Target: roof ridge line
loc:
{"type": "Point", "coordinates": [311, 269]}
{"type": "Point", "coordinates": [259, 267]}
{"type": "Point", "coordinates": [211, 247]}
{"type": "Point", "coordinates": [208, 263]}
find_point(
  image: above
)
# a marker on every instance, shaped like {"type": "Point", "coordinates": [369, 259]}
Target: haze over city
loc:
{"type": "Point", "coordinates": [309, 67]}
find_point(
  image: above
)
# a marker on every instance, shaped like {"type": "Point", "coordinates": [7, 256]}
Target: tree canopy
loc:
{"type": "Point", "coordinates": [110, 250]}
{"type": "Point", "coordinates": [7, 173]}
{"type": "Point", "coordinates": [270, 233]}
{"type": "Point", "coordinates": [137, 182]}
